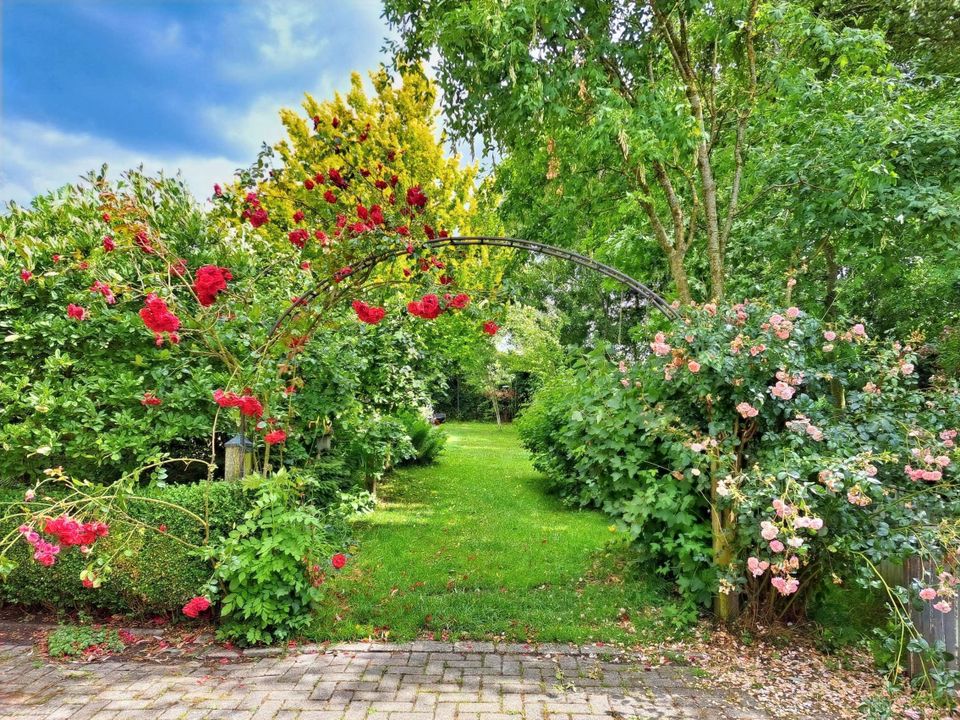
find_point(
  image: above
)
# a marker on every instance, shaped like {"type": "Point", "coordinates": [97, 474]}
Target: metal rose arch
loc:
{"type": "Point", "coordinates": [371, 261]}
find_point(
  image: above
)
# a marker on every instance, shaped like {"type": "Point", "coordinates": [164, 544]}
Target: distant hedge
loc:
{"type": "Point", "coordinates": [158, 575]}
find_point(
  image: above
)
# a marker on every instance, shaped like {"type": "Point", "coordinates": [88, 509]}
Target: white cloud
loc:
{"type": "Point", "coordinates": [36, 158]}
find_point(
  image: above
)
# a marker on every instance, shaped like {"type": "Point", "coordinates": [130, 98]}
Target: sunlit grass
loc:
{"type": "Point", "coordinates": [474, 547]}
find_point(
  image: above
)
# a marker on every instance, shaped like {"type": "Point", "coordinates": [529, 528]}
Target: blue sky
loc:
{"type": "Point", "coordinates": [194, 85]}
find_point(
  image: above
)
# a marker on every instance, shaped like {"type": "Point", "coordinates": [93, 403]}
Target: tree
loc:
{"type": "Point", "coordinates": [614, 104]}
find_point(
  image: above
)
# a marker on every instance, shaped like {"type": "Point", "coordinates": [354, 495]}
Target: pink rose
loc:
{"type": "Point", "coordinates": [829, 336]}
{"type": "Point", "coordinates": [928, 594]}
{"type": "Point", "coordinates": [693, 366]}
{"type": "Point", "coordinates": [943, 606]}
{"type": "Point", "coordinates": [776, 546]}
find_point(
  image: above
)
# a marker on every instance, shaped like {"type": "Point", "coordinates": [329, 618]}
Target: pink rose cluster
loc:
{"type": "Point", "coordinates": [66, 531]}
{"type": "Point", "coordinates": [659, 345]}
{"type": "Point", "coordinates": [931, 465]}
{"type": "Point", "coordinates": [801, 424]}
{"type": "Point", "coordinates": [945, 591]}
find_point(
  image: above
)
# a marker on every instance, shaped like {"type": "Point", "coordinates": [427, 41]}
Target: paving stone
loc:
{"type": "Point", "coordinates": [423, 680]}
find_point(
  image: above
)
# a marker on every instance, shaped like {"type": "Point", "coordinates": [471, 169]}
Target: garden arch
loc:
{"type": "Point", "coordinates": [530, 246]}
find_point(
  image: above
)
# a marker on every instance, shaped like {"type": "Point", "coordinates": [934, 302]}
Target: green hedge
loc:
{"type": "Point", "coordinates": [158, 575]}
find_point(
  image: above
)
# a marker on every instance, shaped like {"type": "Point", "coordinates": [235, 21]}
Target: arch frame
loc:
{"type": "Point", "coordinates": [371, 261]}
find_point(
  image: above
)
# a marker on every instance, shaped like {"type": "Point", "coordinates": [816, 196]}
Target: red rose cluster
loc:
{"type": "Point", "coordinates": [150, 400]}
{"type": "Point", "coordinates": [254, 212]}
{"type": "Point", "coordinates": [248, 404]}
{"type": "Point", "coordinates": [66, 531]}
{"type": "Point", "coordinates": [429, 307]}
{"type": "Point", "coordinates": [195, 606]}
{"type": "Point", "coordinates": [158, 318]}
{"type": "Point", "coordinates": [367, 313]}
{"type": "Point", "coordinates": [210, 280]}
{"type": "Point", "coordinates": [75, 312]}
{"type": "Point", "coordinates": [71, 532]}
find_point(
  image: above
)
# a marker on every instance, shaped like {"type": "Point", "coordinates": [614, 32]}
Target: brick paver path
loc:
{"type": "Point", "coordinates": [417, 681]}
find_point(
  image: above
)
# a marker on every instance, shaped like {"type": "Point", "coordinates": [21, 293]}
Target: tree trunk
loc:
{"type": "Point", "coordinates": [726, 606]}
{"type": "Point", "coordinates": [679, 274]}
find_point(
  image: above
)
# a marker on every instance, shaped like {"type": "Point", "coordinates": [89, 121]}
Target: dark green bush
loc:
{"type": "Point", "coordinates": [153, 574]}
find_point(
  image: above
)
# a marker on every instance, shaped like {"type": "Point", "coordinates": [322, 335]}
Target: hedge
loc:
{"type": "Point", "coordinates": [158, 575]}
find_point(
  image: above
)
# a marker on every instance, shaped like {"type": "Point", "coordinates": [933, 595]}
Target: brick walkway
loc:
{"type": "Point", "coordinates": [418, 681]}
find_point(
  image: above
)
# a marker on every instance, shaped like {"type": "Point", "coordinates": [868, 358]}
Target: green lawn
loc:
{"type": "Point", "coordinates": [474, 547]}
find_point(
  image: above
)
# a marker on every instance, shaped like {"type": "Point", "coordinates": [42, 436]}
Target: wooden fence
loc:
{"type": "Point", "coordinates": [934, 625]}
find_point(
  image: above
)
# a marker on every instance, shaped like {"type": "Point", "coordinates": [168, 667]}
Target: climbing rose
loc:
{"type": "Point", "coordinates": [782, 390]}
{"type": "Point", "coordinates": [490, 328]}
{"type": "Point", "coordinates": [928, 594]}
{"type": "Point", "coordinates": [459, 302]}
{"type": "Point", "coordinates": [342, 274]}
{"type": "Point", "coordinates": [338, 561]}
{"type": "Point", "coordinates": [210, 280]}
{"type": "Point", "coordinates": [25, 275]}
{"type": "Point", "coordinates": [195, 606]}
{"type": "Point", "coordinates": [226, 399]}
{"type": "Point", "coordinates": [76, 312]}
{"type": "Point", "coordinates": [659, 345]}
{"type": "Point", "coordinates": [747, 410]}
{"type": "Point", "coordinates": [103, 289]}
{"type": "Point", "coordinates": [275, 437]}
{"type": "Point", "coordinates": [299, 237]}
{"type": "Point", "coordinates": [943, 606]}
{"type": "Point", "coordinates": [757, 567]}
{"type": "Point", "coordinates": [158, 318]}
{"type": "Point", "coordinates": [368, 314]}
{"type": "Point", "coordinates": [415, 197]}
{"type": "Point", "coordinates": [427, 307]}
{"type": "Point", "coordinates": [149, 399]}
{"type": "Point", "coordinates": [250, 406]}
{"type": "Point", "coordinates": [142, 241]}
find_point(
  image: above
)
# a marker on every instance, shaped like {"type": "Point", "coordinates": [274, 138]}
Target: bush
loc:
{"type": "Point", "coordinates": [758, 453]}
{"type": "Point", "coordinates": [152, 572]}
{"type": "Point", "coordinates": [269, 568]}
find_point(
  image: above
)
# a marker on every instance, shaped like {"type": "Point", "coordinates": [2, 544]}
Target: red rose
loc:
{"type": "Point", "coordinates": [149, 399]}
{"type": "Point", "coordinates": [25, 275]}
{"type": "Point", "coordinates": [416, 197]}
{"type": "Point", "coordinates": [108, 244]}
{"type": "Point", "coordinates": [195, 606]}
{"type": "Point", "coordinates": [217, 190]}
{"type": "Point", "coordinates": [298, 216]}
{"type": "Point", "coordinates": [250, 406]}
{"type": "Point", "coordinates": [329, 196]}
{"type": "Point", "coordinates": [76, 312]}
{"type": "Point", "coordinates": [380, 184]}
{"type": "Point", "coordinates": [490, 328]}
{"type": "Point", "coordinates": [308, 184]}
{"type": "Point", "coordinates": [342, 274]}
{"type": "Point", "coordinates": [338, 561]}
{"type": "Point", "coordinates": [210, 281]}
{"type": "Point", "coordinates": [460, 301]}
{"type": "Point", "coordinates": [159, 319]}
{"type": "Point", "coordinates": [275, 437]}
{"type": "Point", "coordinates": [142, 241]}
{"type": "Point", "coordinates": [368, 314]}
{"type": "Point", "coordinates": [428, 307]}
{"type": "Point", "coordinates": [258, 217]}
{"type": "Point", "coordinates": [299, 237]}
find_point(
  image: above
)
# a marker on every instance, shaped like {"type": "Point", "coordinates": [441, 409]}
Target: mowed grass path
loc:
{"type": "Point", "coordinates": [474, 547]}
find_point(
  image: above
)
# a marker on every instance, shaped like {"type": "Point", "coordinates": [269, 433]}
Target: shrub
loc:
{"type": "Point", "coordinates": [152, 571]}
{"type": "Point", "coordinates": [758, 453]}
{"type": "Point", "coordinates": [269, 568]}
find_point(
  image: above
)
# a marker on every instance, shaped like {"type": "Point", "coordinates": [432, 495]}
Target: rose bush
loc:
{"type": "Point", "coordinates": [760, 452]}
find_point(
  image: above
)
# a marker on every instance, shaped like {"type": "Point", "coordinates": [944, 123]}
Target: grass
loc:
{"type": "Point", "coordinates": [473, 547]}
